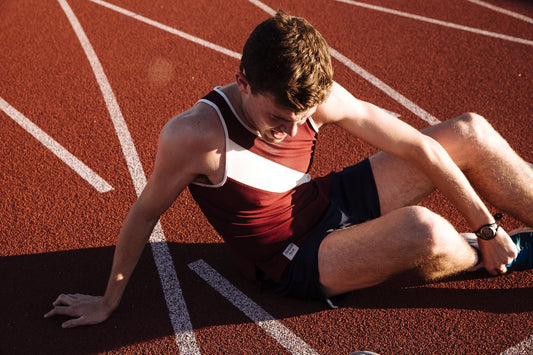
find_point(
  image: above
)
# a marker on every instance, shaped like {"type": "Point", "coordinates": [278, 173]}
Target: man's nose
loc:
{"type": "Point", "coordinates": [291, 129]}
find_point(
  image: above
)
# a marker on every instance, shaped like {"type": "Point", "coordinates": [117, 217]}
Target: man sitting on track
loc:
{"type": "Point", "coordinates": [244, 151]}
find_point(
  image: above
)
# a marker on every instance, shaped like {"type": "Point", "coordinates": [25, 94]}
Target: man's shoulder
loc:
{"type": "Point", "coordinates": [339, 105]}
{"type": "Point", "coordinates": [191, 142]}
{"type": "Point", "coordinates": [195, 127]}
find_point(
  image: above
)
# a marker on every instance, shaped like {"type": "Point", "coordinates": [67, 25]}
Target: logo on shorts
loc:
{"type": "Point", "coordinates": [290, 251]}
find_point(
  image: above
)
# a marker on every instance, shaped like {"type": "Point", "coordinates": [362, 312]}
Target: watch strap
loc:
{"type": "Point", "coordinates": [494, 225]}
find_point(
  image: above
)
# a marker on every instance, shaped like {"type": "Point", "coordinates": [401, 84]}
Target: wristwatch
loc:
{"type": "Point", "coordinates": [488, 231]}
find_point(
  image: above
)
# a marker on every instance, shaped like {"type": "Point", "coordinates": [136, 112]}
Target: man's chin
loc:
{"type": "Point", "coordinates": [274, 137]}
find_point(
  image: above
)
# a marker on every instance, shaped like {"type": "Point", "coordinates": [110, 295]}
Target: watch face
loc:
{"type": "Point", "coordinates": [488, 232]}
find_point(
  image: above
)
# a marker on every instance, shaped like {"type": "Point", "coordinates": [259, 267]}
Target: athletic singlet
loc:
{"type": "Point", "coordinates": [267, 204]}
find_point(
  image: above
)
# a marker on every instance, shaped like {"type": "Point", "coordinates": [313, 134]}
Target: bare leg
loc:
{"type": "Point", "coordinates": [409, 238]}
{"type": "Point", "coordinates": [487, 160]}
{"type": "Point", "coordinates": [413, 238]}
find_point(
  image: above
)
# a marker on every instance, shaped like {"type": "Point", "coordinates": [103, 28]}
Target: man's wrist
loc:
{"type": "Point", "coordinates": [489, 231]}
{"type": "Point", "coordinates": [109, 305]}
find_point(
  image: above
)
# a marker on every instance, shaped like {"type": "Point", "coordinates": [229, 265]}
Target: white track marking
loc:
{"type": "Point", "coordinates": [177, 308]}
{"type": "Point", "coordinates": [126, 142]}
{"type": "Point", "coordinates": [438, 22]}
{"type": "Point", "coordinates": [178, 313]}
{"type": "Point", "coordinates": [169, 29]}
{"type": "Point", "coordinates": [64, 155]}
{"type": "Point", "coordinates": [503, 11]}
{"type": "Point", "coordinates": [522, 348]}
{"type": "Point", "coordinates": [263, 7]}
{"type": "Point", "coordinates": [395, 95]}
{"type": "Point", "coordinates": [526, 344]}
{"type": "Point", "coordinates": [252, 310]}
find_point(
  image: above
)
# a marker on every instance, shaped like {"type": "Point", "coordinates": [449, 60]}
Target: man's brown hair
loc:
{"type": "Point", "coordinates": [287, 57]}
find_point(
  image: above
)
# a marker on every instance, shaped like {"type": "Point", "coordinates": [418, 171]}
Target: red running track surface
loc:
{"type": "Point", "coordinates": [57, 229]}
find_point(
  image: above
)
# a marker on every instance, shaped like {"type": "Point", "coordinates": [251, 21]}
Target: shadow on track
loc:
{"type": "Point", "coordinates": [143, 317]}
{"type": "Point", "coordinates": [479, 291]}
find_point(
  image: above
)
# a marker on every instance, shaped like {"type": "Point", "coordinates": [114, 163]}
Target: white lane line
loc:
{"type": "Point", "coordinates": [126, 142]}
{"type": "Point", "coordinates": [178, 312]}
{"type": "Point", "coordinates": [503, 11]}
{"type": "Point", "coordinates": [252, 310]}
{"type": "Point", "coordinates": [64, 155]}
{"type": "Point", "coordinates": [526, 344]}
{"type": "Point", "coordinates": [398, 97]}
{"type": "Point", "coordinates": [263, 7]}
{"type": "Point", "coordinates": [169, 29]}
{"type": "Point", "coordinates": [395, 95]}
{"type": "Point", "coordinates": [439, 22]}
{"type": "Point", "coordinates": [177, 308]}
{"type": "Point", "coordinates": [522, 348]}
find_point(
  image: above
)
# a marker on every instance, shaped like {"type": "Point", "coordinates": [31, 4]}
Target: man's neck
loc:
{"type": "Point", "coordinates": [236, 99]}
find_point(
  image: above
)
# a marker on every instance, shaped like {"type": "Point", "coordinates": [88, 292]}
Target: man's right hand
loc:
{"type": "Point", "coordinates": [498, 252]}
{"type": "Point", "coordinates": [85, 309]}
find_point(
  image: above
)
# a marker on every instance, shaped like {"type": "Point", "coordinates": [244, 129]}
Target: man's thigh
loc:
{"type": "Point", "coordinates": [406, 239]}
{"type": "Point", "coordinates": [399, 183]}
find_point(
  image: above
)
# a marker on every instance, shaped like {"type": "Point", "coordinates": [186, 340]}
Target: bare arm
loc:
{"type": "Point", "coordinates": [397, 138]}
{"type": "Point", "coordinates": [86, 309]}
{"type": "Point", "coordinates": [179, 160]}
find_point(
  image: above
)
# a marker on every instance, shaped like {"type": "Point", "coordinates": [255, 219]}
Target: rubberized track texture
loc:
{"type": "Point", "coordinates": [85, 88]}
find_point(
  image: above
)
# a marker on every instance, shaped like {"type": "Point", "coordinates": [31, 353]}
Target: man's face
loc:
{"type": "Point", "coordinates": [273, 122]}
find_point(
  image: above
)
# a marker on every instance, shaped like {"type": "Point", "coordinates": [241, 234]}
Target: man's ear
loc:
{"type": "Point", "coordinates": [242, 83]}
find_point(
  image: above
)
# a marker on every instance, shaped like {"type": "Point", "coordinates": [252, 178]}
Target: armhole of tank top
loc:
{"type": "Point", "coordinates": [226, 138]}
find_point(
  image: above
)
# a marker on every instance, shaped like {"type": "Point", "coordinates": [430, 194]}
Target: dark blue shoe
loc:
{"type": "Point", "coordinates": [524, 241]}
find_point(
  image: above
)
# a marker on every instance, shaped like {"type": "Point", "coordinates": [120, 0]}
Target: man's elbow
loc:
{"type": "Point", "coordinates": [429, 151]}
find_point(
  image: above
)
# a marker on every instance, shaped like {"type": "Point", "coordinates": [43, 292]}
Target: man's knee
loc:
{"type": "Point", "coordinates": [474, 128]}
{"type": "Point", "coordinates": [441, 250]}
{"type": "Point", "coordinates": [432, 233]}
{"type": "Point", "coordinates": [467, 138]}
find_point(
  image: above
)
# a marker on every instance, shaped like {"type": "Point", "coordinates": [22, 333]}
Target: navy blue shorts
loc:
{"type": "Point", "coordinates": [354, 200]}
